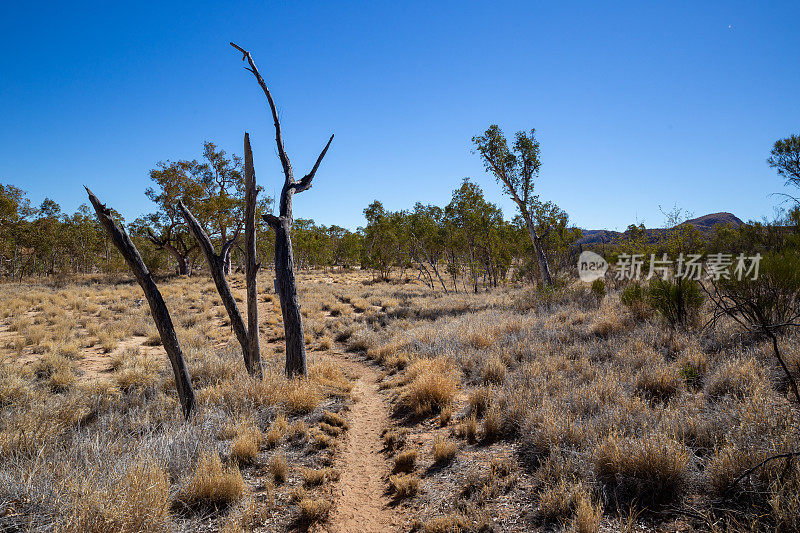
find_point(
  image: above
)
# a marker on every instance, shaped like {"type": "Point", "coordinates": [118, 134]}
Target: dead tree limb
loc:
{"type": "Point", "coordinates": [251, 266]}
{"type": "Point", "coordinates": [216, 264]}
{"type": "Point", "coordinates": [284, 262]}
{"type": "Point", "coordinates": [749, 471]}
{"type": "Point", "coordinates": [158, 309]}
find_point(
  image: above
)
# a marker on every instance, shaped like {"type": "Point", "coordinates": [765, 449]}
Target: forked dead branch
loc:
{"type": "Point", "coordinates": [286, 284]}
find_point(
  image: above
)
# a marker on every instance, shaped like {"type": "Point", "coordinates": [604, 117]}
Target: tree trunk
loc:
{"type": "Point", "coordinates": [284, 266]}
{"type": "Point", "coordinates": [226, 261]}
{"type": "Point", "coordinates": [251, 266]}
{"type": "Point", "coordinates": [544, 268]}
{"type": "Point", "coordinates": [216, 266]}
{"type": "Point", "coordinates": [182, 268]}
{"type": "Point", "coordinates": [290, 306]}
{"type": "Point", "coordinates": [158, 309]}
{"type": "Point", "coordinates": [436, 271]}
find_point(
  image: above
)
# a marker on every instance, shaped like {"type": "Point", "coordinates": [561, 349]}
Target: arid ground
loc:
{"type": "Point", "coordinates": [505, 410]}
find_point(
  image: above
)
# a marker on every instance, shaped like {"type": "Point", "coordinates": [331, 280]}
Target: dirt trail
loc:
{"type": "Point", "coordinates": [360, 500]}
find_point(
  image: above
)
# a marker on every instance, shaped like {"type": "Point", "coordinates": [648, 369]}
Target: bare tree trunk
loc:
{"type": "Point", "coordinates": [181, 259]}
{"type": "Point", "coordinates": [436, 271]}
{"type": "Point", "coordinates": [226, 261]}
{"type": "Point", "coordinates": [284, 266]}
{"type": "Point", "coordinates": [251, 266]}
{"type": "Point", "coordinates": [290, 306]}
{"type": "Point", "coordinates": [544, 268]}
{"type": "Point", "coordinates": [158, 309]}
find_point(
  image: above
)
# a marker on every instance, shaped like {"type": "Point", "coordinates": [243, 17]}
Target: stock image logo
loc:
{"type": "Point", "coordinates": [591, 266]}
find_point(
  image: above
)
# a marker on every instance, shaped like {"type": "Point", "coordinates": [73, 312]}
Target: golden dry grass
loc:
{"type": "Point", "coordinates": [598, 403]}
{"type": "Point", "coordinates": [85, 387]}
{"type": "Point", "coordinates": [405, 460]}
{"type": "Point", "coordinates": [246, 443]}
{"type": "Point", "coordinates": [431, 387]}
{"type": "Point", "coordinates": [443, 450]}
{"type": "Point", "coordinates": [404, 485]}
{"type": "Point", "coordinates": [212, 485]}
{"type": "Point", "coordinates": [605, 410]}
{"type": "Point", "coordinates": [313, 510]}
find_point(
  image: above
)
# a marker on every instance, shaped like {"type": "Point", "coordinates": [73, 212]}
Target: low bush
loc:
{"type": "Point", "coordinates": [633, 294]}
{"type": "Point", "coordinates": [678, 301]}
{"type": "Point", "coordinates": [599, 288]}
{"type": "Point", "coordinates": [634, 297]}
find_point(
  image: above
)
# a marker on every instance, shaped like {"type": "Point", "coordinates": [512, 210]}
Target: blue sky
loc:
{"type": "Point", "coordinates": [636, 104]}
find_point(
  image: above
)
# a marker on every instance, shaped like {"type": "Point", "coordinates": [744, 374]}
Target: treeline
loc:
{"type": "Point", "coordinates": [779, 234]}
{"type": "Point", "coordinates": [461, 246]}
{"type": "Point", "coordinates": [464, 245]}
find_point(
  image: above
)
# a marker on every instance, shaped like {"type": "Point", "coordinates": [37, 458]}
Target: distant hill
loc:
{"type": "Point", "coordinates": [707, 222]}
{"type": "Point", "coordinates": [704, 223]}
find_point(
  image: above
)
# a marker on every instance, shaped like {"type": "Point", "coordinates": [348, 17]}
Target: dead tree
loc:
{"type": "Point", "coordinates": [216, 264]}
{"type": "Point", "coordinates": [284, 263]}
{"type": "Point", "coordinates": [158, 309]}
{"type": "Point", "coordinates": [251, 266]}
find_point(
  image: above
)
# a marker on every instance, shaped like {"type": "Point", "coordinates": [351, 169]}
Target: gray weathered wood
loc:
{"type": "Point", "coordinates": [251, 266]}
{"type": "Point", "coordinates": [216, 264]}
{"type": "Point", "coordinates": [158, 309]}
{"type": "Point", "coordinates": [285, 282]}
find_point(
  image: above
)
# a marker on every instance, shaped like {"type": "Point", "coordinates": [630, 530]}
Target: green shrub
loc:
{"type": "Point", "coordinates": [770, 300]}
{"type": "Point", "coordinates": [678, 300]}
{"type": "Point", "coordinates": [632, 295]}
{"type": "Point", "coordinates": [599, 288]}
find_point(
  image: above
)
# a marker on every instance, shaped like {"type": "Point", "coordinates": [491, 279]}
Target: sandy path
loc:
{"type": "Point", "coordinates": [360, 500]}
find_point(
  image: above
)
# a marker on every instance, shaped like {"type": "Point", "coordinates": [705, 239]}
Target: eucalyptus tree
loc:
{"type": "Point", "coordinates": [427, 233]}
{"type": "Point", "coordinates": [15, 210]}
{"type": "Point", "coordinates": [175, 181]}
{"type": "Point", "coordinates": [474, 220]}
{"type": "Point", "coordinates": [516, 169]}
{"type": "Point", "coordinates": [47, 235]}
{"type": "Point", "coordinates": [785, 158]}
{"type": "Point", "coordinates": [222, 204]}
{"type": "Point", "coordinates": [212, 189]}
{"type": "Point", "coordinates": [380, 240]}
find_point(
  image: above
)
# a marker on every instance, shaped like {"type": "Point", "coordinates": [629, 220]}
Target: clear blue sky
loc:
{"type": "Point", "coordinates": [635, 103]}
